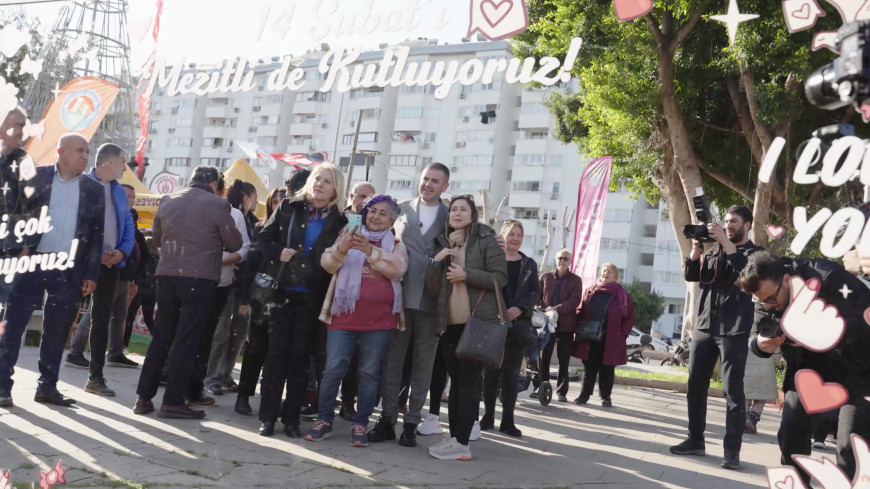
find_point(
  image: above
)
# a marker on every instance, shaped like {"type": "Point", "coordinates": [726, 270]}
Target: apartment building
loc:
{"type": "Point", "coordinates": [495, 137]}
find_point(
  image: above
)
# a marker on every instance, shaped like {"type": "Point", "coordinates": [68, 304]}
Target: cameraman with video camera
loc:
{"type": "Point", "coordinates": [769, 279]}
{"type": "Point", "coordinates": [724, 319]}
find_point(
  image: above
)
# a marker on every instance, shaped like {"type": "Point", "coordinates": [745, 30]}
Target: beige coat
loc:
{"type": "Point", "coordinates": [391, 265]}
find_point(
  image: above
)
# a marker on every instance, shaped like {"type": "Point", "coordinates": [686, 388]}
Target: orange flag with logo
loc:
{"type": "Point", "coordinates": [79, 107]}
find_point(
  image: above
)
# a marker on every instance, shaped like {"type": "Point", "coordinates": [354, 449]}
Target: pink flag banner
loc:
{"type": "Point", "coordinates": [144, 98]}
{"type": "Point", "coordinates": [591, 200]}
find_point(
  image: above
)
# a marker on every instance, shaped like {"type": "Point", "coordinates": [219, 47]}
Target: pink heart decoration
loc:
{"type": "Point", "coordinates": [788, 483]}
{"type": "Point", "coordinates": [816, 395]}
{"type": "Point", "coordinates": [802, 13]}
{"type": "Point", "coordinates": [495, 12]}
{"type": "Point", "coordinates": [631, 9]}
{"type": "Point", "coordinates": [775, 231]}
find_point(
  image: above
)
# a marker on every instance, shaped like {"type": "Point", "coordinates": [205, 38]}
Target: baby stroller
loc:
{"type": "Point", "coordinates": [545, 325]}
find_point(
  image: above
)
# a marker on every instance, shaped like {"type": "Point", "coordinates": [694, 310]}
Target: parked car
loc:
{"type": "Point", "coordinates": [634, 339]}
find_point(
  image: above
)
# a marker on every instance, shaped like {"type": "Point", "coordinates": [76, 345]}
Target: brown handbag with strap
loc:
{"type": "Point", "coordinates": [482, 341]}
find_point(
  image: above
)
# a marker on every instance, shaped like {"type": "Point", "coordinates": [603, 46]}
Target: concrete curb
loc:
{"type": "Point", "coordinates": [664, 385]}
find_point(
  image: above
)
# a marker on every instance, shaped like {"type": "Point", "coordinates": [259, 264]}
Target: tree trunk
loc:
{"type": "Point", "coordinates": [680, 214]}
{"type": "Point", "coordinates": [761, 214]}
{"type": "Point", "coordinates": [685, 171]}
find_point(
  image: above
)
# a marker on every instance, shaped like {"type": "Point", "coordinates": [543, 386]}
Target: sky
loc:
{"type": "Point", "coordinates": [209, 31]}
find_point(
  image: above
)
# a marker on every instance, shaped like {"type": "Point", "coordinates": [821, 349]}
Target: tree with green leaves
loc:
{"type": "Point", "coordinates": [679, 108]}
{"type": "Point", "coordinates": [19, 19]}
{"type": "Point", "coordinates": [648, 305]}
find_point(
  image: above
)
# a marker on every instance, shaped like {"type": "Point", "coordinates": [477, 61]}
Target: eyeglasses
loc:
{"type": "Point", "coordinates": [772, 299]}
{"type": "Point", "coordinates": [564, 258]}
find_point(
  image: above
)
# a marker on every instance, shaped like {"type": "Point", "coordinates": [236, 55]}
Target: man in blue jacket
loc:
{"type": "Point", "coordinates": [118, 239]}
{"type": "Point", "coordinates": [75, 206]}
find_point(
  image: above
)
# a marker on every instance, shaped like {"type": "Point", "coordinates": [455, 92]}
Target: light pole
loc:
{"type": "Point", "coordinates": [370, 156]}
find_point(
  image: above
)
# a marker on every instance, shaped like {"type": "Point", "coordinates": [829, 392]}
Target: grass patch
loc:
{"type": "Point", "coordinates": [193, 472]}
{"type": "Point", "coordinates": [26, 466]}
{"type": "Point", "coordinates": [678, 376]}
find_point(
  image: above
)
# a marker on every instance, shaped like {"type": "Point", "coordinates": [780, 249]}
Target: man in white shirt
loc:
{"type": "Point", "coordinates": [420, 224]}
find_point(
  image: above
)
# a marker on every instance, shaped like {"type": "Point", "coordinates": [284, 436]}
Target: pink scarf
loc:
{"type": "Point", "coordinates": [614, 289]}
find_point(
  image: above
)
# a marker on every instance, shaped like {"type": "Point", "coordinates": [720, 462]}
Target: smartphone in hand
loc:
{"type": "Point", "coordinates": [354, 222]}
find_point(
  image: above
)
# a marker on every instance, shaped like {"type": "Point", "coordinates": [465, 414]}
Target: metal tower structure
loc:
{"type": "Point", "coordinates": [89, 38]}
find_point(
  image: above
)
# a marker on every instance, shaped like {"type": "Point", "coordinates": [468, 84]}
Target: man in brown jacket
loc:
{"type": "Point", "coordinates": [192, 228]}
{"type": "Point", "coordinates": [562, 291]}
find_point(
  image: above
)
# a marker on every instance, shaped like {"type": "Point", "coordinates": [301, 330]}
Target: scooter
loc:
{"type": "Point", "coordinates": [680, 356]}
{"type": "Point", "coordinates": [635, 352]}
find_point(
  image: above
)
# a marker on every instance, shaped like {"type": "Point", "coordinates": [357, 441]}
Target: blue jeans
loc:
{"type": "Point", "coordinates": [340, 345]}
{"type": "Point", "coordinates": [58, 313]}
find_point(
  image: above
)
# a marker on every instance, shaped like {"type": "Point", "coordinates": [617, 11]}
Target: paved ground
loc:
{"type": "Point", "coordinates": [103, 444]}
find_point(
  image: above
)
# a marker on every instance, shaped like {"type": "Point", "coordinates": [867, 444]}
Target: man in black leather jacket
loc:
{"type": "Point", "coordinates": [768, 279]}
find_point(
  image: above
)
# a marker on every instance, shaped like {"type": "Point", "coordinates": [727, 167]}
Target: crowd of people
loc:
{"type": "Point", "coordinates": [368, 299]}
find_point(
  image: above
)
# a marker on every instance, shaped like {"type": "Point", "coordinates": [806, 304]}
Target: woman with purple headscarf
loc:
{"type": "Point", "coordinates": [362, 308]}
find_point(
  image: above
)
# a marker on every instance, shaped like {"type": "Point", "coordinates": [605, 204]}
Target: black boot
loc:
{"type": "Point", "coordinates": [382, 431]}
{"type": "Point", "coordinates": [409, 435]}
{"type": "Point", "coordinates": [487, 422]}
{"type": "Point", "coordinates": [243, 406]}
{"type": "Point", "coordinates": [267, 428]}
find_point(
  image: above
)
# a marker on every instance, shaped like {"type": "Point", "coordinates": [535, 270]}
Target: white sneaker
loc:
{"type": "Point", "coordinates": [430, 426]}
{"type": "Point", "coordinates": [444, 441]}
{"type": "Point", "coordinates": [475, 432]}
{"type": "Point", "coordinates": [819, 445]}
{"type": "Point", "coordinates": [452, 450]}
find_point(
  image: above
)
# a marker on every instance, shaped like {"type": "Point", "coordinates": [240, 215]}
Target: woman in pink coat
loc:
{"type": "Point", "coordinates": [606, 300]}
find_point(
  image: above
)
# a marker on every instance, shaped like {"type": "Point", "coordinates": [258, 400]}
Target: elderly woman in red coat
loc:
{"type": "Point", "coordinates": [606, 300]}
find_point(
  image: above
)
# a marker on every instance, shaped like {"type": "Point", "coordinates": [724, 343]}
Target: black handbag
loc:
{"type": "Point", "coordinates": [482, 341]}
{"type": "Point", "coordinates": [592, 331]}
{"type": "Point", "coordinates": [265, 287]}
{"type": "Point", "coordinates": [523, 333]}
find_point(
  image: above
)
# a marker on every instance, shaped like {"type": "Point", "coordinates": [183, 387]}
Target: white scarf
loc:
{"type": "Point", "coordinates": [347, 287]}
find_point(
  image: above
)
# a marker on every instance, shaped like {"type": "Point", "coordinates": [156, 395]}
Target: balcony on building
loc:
{"type": "Point", "coordinates": [305, 107]}
{"type": "Point", "coordinates": [408, 124]}
{"type": "Point", "coordinates": [267, 130]}
{"type": "Point", "coordinates": [214, 152]}
{"type": "Point", "coordinates": [220, 107]}
{"type": "Point", "coordinates": [406, 142]}
{"type": "Point", "coordinates": [301, 145]}
{"type": "Point", "coordinates": [531, 146]}
{"type": "Point", "coordinates": [536, 120]}
{"type": "Point", "coordinates": [213, 131]}
{"type": "Point", "coordinates": [532, 199]}
{"type": "Point", "coordinates": [301, 128]}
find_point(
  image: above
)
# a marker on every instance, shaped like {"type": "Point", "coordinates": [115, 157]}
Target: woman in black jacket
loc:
{"type": "Point", "coordinates": [258, 332]}
{"type": "Point", "coordinates": [293, 241]}
{"type": "Point", "coordinates": [521, 293]}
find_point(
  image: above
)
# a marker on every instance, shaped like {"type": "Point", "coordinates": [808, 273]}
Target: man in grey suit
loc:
{"type": "Point", "coordinates": [420, 223]}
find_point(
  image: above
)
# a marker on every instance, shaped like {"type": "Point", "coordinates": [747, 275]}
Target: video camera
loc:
{"type": "Point", "coordinates": [702, 213]}
{"type": "Point", "coordinates": [846, 80]}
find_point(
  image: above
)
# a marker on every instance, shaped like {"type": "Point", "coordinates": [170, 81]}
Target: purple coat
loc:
{"type": "Point", "coordinates": [618, 328]}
